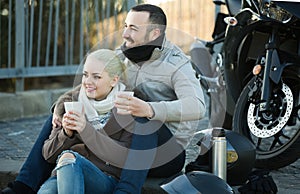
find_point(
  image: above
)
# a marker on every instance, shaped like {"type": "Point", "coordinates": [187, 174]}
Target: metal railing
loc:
{"type": "Point", "coordinates": [41, 38]}
{"type": "Point", "coordinates": [50, 38]}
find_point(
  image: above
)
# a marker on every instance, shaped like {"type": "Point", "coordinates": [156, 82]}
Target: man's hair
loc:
{"type": "Point", "coordinates": [156, 15]}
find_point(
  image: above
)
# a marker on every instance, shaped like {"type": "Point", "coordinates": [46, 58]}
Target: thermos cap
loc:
{"type": "Point", "coordinates": [218, 132]}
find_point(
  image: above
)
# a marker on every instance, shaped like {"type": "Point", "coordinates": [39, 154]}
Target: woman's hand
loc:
{"type": "Point", "coordinates": [133, 106]}
{"type": "Point", "coordinates": [56, 121]}
{"type": "Point", "coordinates": [73, 121]}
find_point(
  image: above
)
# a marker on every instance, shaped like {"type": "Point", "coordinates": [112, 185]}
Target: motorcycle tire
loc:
{"type": "Point", "coordinates": [282, 146]}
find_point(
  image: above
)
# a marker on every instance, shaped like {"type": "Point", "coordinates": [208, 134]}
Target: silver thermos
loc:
{"type": "Point", "coordinates": [219, 153]}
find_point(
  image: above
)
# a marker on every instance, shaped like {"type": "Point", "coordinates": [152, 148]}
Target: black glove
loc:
{"type": "Point", "coordinates": [259, 182]}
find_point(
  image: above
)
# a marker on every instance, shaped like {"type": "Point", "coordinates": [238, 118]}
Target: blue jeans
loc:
{"type": "Point", "coordinates": [147, 159]}
{"type": "Point", "coordinates": [78, 176]}
{"type": "Point", "coordinates": [131, 180]}
{"type": "Point", "coordinates": [29, 175]}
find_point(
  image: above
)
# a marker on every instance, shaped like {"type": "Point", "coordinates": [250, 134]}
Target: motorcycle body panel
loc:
{"type": "Point", "coordinates": [291, 6]}
{"type": "Point", "coordinates": [233, 6]}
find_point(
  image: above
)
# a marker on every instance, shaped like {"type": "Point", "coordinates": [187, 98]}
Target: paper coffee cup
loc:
{"type": "Point", "coordinates": [127, 93]}
{"type": "Point", "coordinates": [73, 106]}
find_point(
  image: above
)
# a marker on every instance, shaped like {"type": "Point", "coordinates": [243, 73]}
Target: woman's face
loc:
{"type": "Point", "coordinates": [96, 80]}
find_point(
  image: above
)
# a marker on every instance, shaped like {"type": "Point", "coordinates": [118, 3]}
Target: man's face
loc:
{"type": "Point", "coordinates": [135, 30]}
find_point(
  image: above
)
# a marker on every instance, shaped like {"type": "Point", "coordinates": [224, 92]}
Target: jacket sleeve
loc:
{"type": "Point", "coordinates": [190, 103]}
{"type": "Point", "coordinates": [57, 142]}
{"type": "Point", "coordinates": [58, 106]}
{"type": "Point", "coordinates": [111, 143]}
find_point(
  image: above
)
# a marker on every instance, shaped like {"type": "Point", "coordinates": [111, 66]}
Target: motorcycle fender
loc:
{"type": "Point", "coordinates": [201, 59]}
{"type": "Point", "coordinates": [277, 67]}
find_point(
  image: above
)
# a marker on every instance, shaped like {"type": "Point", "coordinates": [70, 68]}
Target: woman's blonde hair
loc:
{"type": "Point", "coordinates": [113, 64]}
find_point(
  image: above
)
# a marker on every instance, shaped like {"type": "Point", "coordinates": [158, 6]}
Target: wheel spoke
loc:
{"type": "Point", "coordinates": [275, 141]}
{"type": "Point", "coordinates": [285, 136]}
{"type": "Point", "coordinates": [258, 142]}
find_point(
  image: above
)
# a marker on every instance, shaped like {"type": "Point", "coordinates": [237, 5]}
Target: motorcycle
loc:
{"type": "Point", "coordinates": [207, 60]}
{"type": "Point", "coordinates": [251, 72]}
{"type": "Point", "coordinates": [261, 54]}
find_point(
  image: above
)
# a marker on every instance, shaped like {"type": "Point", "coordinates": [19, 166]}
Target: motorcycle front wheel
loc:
{"type": "Point", "coordinates": [276, 133]}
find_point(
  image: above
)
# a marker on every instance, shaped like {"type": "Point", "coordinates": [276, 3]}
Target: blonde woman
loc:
{"type": "Point", "coordinates": [90, 146]}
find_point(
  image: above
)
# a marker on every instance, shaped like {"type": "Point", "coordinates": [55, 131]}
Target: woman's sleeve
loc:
{"type": "Point", "coordinates": [58, 106]}
{"type": "Point", "coordinates": [110, 145]}
{"type": "Point", "coordinates": [57, 142]}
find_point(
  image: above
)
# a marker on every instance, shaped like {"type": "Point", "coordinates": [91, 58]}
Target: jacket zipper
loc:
{"type": "Point", "coordinates": [136, 75]}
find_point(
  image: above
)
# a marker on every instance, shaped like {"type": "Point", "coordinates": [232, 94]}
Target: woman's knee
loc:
{"type": "Point", "coordinates": [66, 158]}
{"type": "Point", "coordinates": [66, 155]}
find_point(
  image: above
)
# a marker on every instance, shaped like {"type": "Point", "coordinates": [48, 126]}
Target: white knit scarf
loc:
{"type": "Point", "coordinates": [98, 112]}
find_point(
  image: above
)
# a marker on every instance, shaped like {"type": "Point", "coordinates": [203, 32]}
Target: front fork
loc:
{"type": "Point", "coordinates": [267, 83]}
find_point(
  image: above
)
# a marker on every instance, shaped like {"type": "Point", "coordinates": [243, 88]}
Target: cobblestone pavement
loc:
{"type": "Point", "coordinates": [18, 136]}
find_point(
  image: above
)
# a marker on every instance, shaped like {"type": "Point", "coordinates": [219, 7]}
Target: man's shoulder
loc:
{"type": "Point", "coordinates": [119, 53]}
{"type": "Point", "coordinates": [176, 56]}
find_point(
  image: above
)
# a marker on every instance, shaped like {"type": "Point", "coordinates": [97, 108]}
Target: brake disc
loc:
{"type": "Point", "coordinates": [269, 127]}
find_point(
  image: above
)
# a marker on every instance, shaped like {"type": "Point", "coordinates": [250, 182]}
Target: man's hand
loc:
{"type": "Point", "coordinates": [134, 106]}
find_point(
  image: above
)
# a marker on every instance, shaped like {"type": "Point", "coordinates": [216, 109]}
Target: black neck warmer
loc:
{"type": "Point", "coordinates": [142, 53]}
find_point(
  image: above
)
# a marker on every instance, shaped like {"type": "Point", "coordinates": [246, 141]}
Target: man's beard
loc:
{"type": "Point", "coordinates": [142, 53]}
{"type": "Point", "coordinates": [131, 41]}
